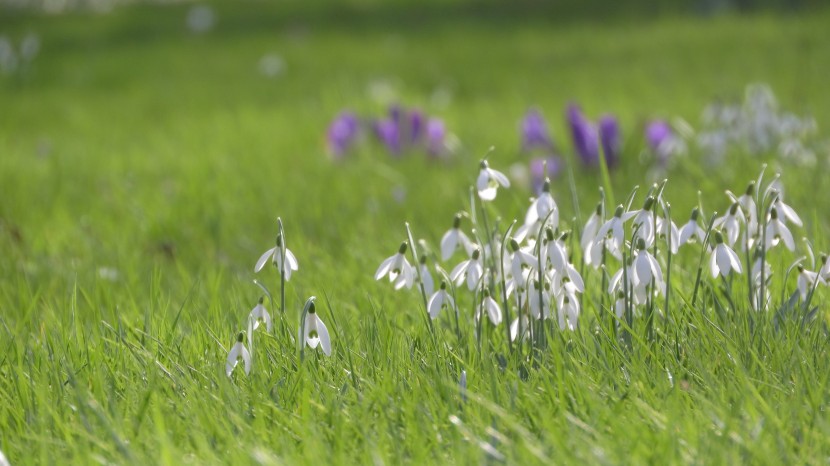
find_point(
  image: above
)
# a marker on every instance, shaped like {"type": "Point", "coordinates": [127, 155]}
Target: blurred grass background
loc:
{"type": "Point", "coordinates": [133, 145]}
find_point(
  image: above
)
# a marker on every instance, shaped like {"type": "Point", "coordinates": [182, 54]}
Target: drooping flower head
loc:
{"type": "Point", "coordinates": [237, 352]}
{"type": "Point", "coordinates": [315, 331]}
{"type": "Point", "coordinates": [488, 182]}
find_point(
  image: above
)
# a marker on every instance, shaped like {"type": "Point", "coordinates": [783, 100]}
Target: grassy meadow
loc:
{"type": "Point", "coordinates": [143, 167]}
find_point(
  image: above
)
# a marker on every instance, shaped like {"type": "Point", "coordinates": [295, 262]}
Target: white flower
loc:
{"type": "Point", "coordinates": [542, 206]}
{"type": "Point", "coordinates": [724, 259]}
{"type": "Point", "coordinates": [750, 209]}
{"type": "Point", "coordinates": [398, 269]}
{"type": "Point", "coordinates": [777, 230]}
{"type": "Point", "coordinates": [491, 307]}
{"type": "Point", "coordinates": [787, 211]}
{"type": "Point", "coordinates": [691, 231]}
{"type": "Point", "coordinates": [275, 254]}
{"type": "Point", "coordinates": [471, 268]}
{"type": "Point", "coordinates": [538, 309]}
{"type": "Point", "coordinates": [568, 313]}
{"type": "Point", "coordinates": [439, 300]}
{"type": "Point", "coordinates": [426, 277]}
{"type": "Point", "coordinates": [238, 351]}
{"type": "Point", "coordinates": [315, 331]}
{"type": "Point", "coordinates": [619, 305]}
{"type": "Point", "coordinates": [591, 228]}
{"type": "Point", "coordinates": [556, 251]}
{"type": "Point", "coordinates": [644, 222]}
{"type": "Point", "coordinates": [667, 229]}
{"type": "Point", "coordinates": [522, 321]}
{"type": "Point", "coordinates": [647, 269]}
{"type": "Point", "coordinates": [451, 239]}
{"type": "Point", "coordinates": [488, 182]}
{"type": "Point", "coordinates": [520, 259]}
{"type": "Point", "coordinates": [730, 223]}
{"type": "Point", "coordinates": [613, 228]}
{"type": "Point", "coordinates": [259, 313]}
{"type": "Point", "coordinates": [824, 271]}
{"type": "Point", "coordinates": [807, 280]}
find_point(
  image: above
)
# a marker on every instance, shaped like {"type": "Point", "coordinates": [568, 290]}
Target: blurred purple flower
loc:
{"type": "Point", "coordinates": [535, 132]}
{"type": "Point", "coordinates": [537, 171]}
{"type": "Point", "coordinates": [416, 126]}
{"type": "Point", "coordinates": [388, 132]}
{"type": "Point", "coordinates": [435, 134]}
{"type": "Point", "coordinates": [584, 134]}
{"type": "Point", "coordinates": [609, 135]}
{"type": "Point", "coordinates": [658, 132]}
{"type": "Point", "coordinates": [342, 132]}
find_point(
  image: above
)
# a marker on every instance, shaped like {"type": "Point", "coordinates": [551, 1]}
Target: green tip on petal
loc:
{"type": "Point", "coordinates": [649, 202]}
{"type": "Point", "coordinates": [240, 337]}
{"type": "Point", "coordinates": [423, 259]}
{"type": "Point", "coordinates": [598, 210]}
{"type": "Point", "coordinates": [564, 236]}
{"type": "Point", "coordinates": [549, 234]}
{"type": "Point", "coordinates": [695, 214]}
{"type": "Point", "coordinates": [514, 245]}
{"type": "Point", "coordinates": [718, 237]}
{"type": "Point", "coordinates": [456, 222]}
{"type": "Point", "coordinates": [750, 190]}
{"type": "Point", "coordinates": [641, 244]}
{"type": "Point", "coordinates": [483, 164]}
{"type": "Point", "coordinates": [402, 248]}
{"type": "Point", "coordinates": [443, 285]}
{"type": "Point", "coordinates": [279, 239]}
{"type": "Point", "coordinates": [261, 299]}
{"type": "Point", "coordinates": [734, 209]}
{"type": "Point", "coordinates": [476, 253]}
{"type": "Point", "coordinates": [773, 213]}
{"type": "Point", "coordinates": [546, 186]}
{"type": "Point", "coordinates": [312, 308]}
{"type": "Point", "coordinates": [619, 211]}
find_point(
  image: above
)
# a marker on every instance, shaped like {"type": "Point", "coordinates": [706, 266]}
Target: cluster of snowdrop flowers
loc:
{"type": "Point", "coordinates": [312, 330]}
{"type": "Point", "coordinates": [530, 273]}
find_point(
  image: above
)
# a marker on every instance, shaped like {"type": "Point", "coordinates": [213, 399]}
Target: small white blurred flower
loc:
{"type": "Point", "coordinates": [568, 313]}
{"type": "Point", "coordinates": [691, 231]}
{"type": "Point", "coordinates": [824, 271]}
{"type": "Point", "coordinates": [259, 313]}
{"type": "Point", "coordinates": [644, 222]}
{"type": "Point", "coordinates": [452, 238]}
{"type": "Point", "coordinates": [238, 351]}
{"type": "Point", "coordinates": [542, 206]}
{"type": "Point", "coordinates": [730, 223]}
{"type": "Point", "coordinates": [777, 231]}
{"type": "Point", "coordinates": [488, 182]}
{"type": "Point", "coordinates": [613, 228]}
{"type": "Point", "coordinates": [439, 300]}
{"type": "Point", "coordinates": [591, 228]}
{"type": "Point", "coordinates": [271, 65]}
{"type": "Point", "coordinates": [647, 269]}
{"type": "Point", "coordinates": [275, 254]}
{"type": "Point", "coordinates": [200, 19]}
{"type": "Point", "coordinates": [787, 211]}
{"type": "Point", "coordinates": [807, 280]}
{"type": "Point", "coordinates": [520, 259]}
{"type": "Point", "coordinates": [538, 309]}
{"type": "Point", "coordinates": [491, 307]}
{"type": "Point", "coordinates": [522, 321]}
{"type": "Point", "coordinates": [314, 330]}
{"type": "Point", "coordinates": [471, 269]}
{"type": "Point", "coordinates": [724, 260]}
{"type": "Point", "coordinates": [398, 269]}
{"type": "Point", "coordinates": [426, 276]}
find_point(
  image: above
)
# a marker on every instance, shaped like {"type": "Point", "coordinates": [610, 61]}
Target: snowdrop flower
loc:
{"type": "Point", "coordinates": [568, 313]}
{"type": "Point", "coordinates": [259, 313]}
{"type": "Point", "coordinates": [644, 222]}
{"type": "Point", "coordinates": [747, 203]}
{"type": "Point", "coordinates": [647, 268]}
{"type": "Point", "coordinates": [426, 277]}
{"type": "Point", "coordinates": [538, 309]}
{"type": "Point", "coordinates": [491, 307]}
{"type": "Point", "coordinates": [238, 351]}
{"type": "Point", "coordinates": [542, 206]}
{"type": "Point", "coordinates": [807, 280]}
{"type": "Point", "coordinates": [488, 182]}
{"type": "Point", "coordinates": [787, 211]}
{"type": "Point", "coordinates": [824, 271]}
{"type": "Point", "coordinates": [777, 231]}
{"type": "Point", "coordinates": [452, 238]}
{"type": "Point", "coordinates": [523, 322]}
{"type": "Point", "coordinates": [471, 269]}
{"type": "Point", "coordinates": [724, 259]}
{"type": "Point", "coordinates": [439, 300]}
{"type": "Point", "coordinates": [619, 305]}
{"type": "Point", "coordinates": [667, 229]}
{"type": "Point", "coordinates": [591, 227]}
{"type": "Point", "coordinates": [315, 331]}
{"type": "Point", "coordinates": [275, 254]}
{"type": "Point", "coordinates": [691, 231]}
{"type": "Point", "coordinates": [520, 259]}
{"type": "Point", "coordinates": [613, 228]}
{"type": "Point", "coordinates": [398, 269]}
{"type": "Point", "coordinates": [730, 223]}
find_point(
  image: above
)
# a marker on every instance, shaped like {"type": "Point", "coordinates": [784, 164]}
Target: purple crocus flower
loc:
{"type": "Point", "coordinates": [609, 135]}
{"type": "Point", "coordinates": [388, 132]}
{"type": "Point", "coordinates": [341, 133]}
{"type": "Point", "coordinates": [537, 171]}
{"type": "Point", "coordinates": [535, 132]}
{"type": "Point", "coordinates": [435, 134]}
{"type": "Point", "coordinates": [584, 134]}
{"type": "Point", "coordinates": [658, 132]}
{"type": "Point", "coordinates": [416, 126]}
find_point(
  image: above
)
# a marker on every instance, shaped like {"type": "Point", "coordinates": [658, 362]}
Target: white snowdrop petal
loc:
{"type": "Point", "coordinates": [290, 260]}
{"type": "Point", "coordinates": [384, 268]}
{"type": "Point", "coordinates": [323, 334]}
{"type": "Point", "coordinates": [448, 244]}
{"type": "Point", "coordinates": [264, 259]}
{"type": "Point", "coordinates": [434, 305]}
{"type": "Point", "coordinates": [499, 177]}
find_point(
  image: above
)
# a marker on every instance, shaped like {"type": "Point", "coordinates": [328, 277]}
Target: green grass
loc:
{"type": "Point", "coordinates": [131, 144]}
